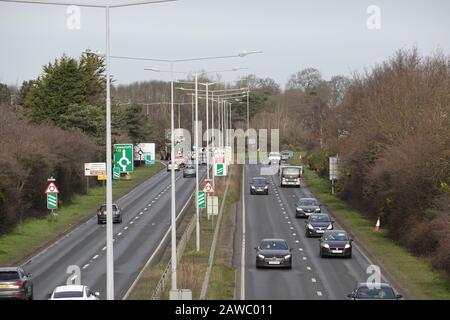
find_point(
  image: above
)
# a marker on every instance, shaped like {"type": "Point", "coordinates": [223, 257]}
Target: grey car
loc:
{"type": "Point", "coordinates": [317, 224]}
{"type": "Point", "coordinates": [306, 207]}
{"type": "Point", "coordinates": [117, 214]}
{"type": "Point", "coordinates": [189, 171]}
{"type": "Point", "coordinates": [273, 253]}
{"type": "Point", "coordinates": [15, 284]}
{"type": "Point", "coordinates": [335, 243]}
{"type": "Point", "coordinates": [374, 291]}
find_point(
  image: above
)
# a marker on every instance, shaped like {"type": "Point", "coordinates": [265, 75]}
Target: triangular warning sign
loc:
{"type": "Point", "coordinates": [51, 188]}
{"type": "Point", "coordinates": [208, 187]}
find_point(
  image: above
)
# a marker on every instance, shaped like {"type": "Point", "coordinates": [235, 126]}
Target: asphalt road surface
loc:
{"type": "Point", "coordinates": [146, 218]}
{"type": "Point", "coordinates": [311, 277]}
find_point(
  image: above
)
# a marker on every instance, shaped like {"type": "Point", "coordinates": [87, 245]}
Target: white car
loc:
{"type": "Point", "coordinates": [274, 158]}
{"type": "Point", "coordinates": [74, 292]}
{"type": "Point", "coordinates": [169, 166]}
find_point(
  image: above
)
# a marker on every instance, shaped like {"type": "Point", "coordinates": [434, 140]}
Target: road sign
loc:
{"type": "Point", "coordinates": [334, 168]}
{"type": "Point", "coordinates": [51, 188]}
{"type": "Point", "coordinates": [116, 173]}
{"type": "Point", "coordinates": [201, 200]}
{"type": "Point", "coordinates": [213, 205]}
{"type": "Point", "coordinates": [208, 187]}
{"type": "Point", "coordinates": [143, 150]}
{"type": "Point", "coordinates": [149, 159]}
{"type": "Point", "coordinates": [102, 177]}
{"type": "Point", "coordinates": [95, 169]}
{"type": "Point", "coordinates": [220, 169]}
{"type": "Point", "coordinates": [123, 157]}
{"type": "Point", "coordinates": [52, 201]}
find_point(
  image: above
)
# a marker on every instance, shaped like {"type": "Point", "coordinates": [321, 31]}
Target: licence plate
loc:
{"type": "Point", "coordinates": [274, 262]}
{"type": "Point", "coordinates": [336, 251]}
{"type": "Point", "coordinates": [320, 231]}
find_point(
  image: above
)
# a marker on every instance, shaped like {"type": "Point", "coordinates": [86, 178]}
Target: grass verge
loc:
{"type": "Point", "coordinates": [414, 274]}
{"type": "Point", "coordinates": [30, 235]}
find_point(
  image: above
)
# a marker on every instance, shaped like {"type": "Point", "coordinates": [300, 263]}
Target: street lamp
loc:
{"type": "Point", "coordinates": [109, 226]}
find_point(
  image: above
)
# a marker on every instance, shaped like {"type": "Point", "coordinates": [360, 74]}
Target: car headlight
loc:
{"type": "Point", "coordinates": [266, 187]}
{"type": "Point", "coordinates": [299, 209]}
{"type": "Point", "coordinates": [253, 187]}
{"type": "Point", "coordinates": [287, 256]}
{"type": "Point", "coordinates": [330, 227]}
{"type": "Point", "coordinates": [326, 245]}
{"type": "Point", "coordinates": [318, 210]}
{"type": "Point", "coordinates": [347, 246]}
{"type": "Point", "coordinates": [310, 226]}
{"type": "Point", "coordinates": [260, 256]}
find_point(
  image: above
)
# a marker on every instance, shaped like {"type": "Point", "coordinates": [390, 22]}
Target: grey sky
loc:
{"type": "Point", "coordinates": [329, 35]}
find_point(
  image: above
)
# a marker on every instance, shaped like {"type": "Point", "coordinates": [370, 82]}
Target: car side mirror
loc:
{"type": "Point", "coordinates": [351, 295]}
{"type": "Point", "coordinates": [97, 294]}
{"type": "Point", "coordinates": [399, 296]}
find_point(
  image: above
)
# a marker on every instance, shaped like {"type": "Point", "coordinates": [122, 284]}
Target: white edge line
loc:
{"type": "Point", "coordinates": [243, 237]}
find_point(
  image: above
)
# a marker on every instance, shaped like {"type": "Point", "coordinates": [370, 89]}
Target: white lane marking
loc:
{"type": "Point", "coordinates": [319, 293]}
{"type": "Point", "coordinates": [85, 266]}
{"type": "Point", "coordinates": [119, 234]}
{"type": "Point", "coordinates": [95, 257]}
{"type": "Point", "coordinates": [131, 222]}
{"type": "Point", "coordinates": [289, 222]}
{"type": "Point", "coordinates": [141, 213]}
{"type": "Point", "coordinates": [308, 268]}
{"type": "Point", "coordinates": [104, 248]}
{"type": "Point", "coordinates": [313, 280]}
{"type": "Point", "coordinates": [125, 228]}
{"type": "Point", "coordinates": [153, 201]}
{"type": "Point", "coordinates": [301, 249]}
{"type": "Point", "coordinates": [296, 241]}
{"type": "Point", "coordinates": [294, 234]}
{"type": "Point", "coordinates": [304, 258]}
{"type": "Point", "coordinates": [145, 209]}
{"type": "Point", "coordinates": [136, 218]}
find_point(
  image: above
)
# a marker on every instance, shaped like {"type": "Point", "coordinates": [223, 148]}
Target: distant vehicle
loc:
{"type": "Point", "coordinates": [259, 185]}
{"type": "Point", "coordinates": [203, 159]}
{"type": "Point", "coordinates": [290, 176]}
{"type": "Point", "coordinates": [274, 158]}
{"type": "Point", "coordinates": [169, 166]}
{"type": "Point", "coordinates": [74, 292]}
{"type": "Point", "coordinates": [374, 291]}
{"type": "Point", "coordinates": [335, 243]}
{"type": "Point", "coordinates": [15, 284]}
{"type": "Point", "coordinates": [117, 214]}
{"type": "Point", "coordinates": [189, 171]}
{"type": "Point", "coordinates": [180, 160]}
{"type": "Point", "coordinates": [286, 155]}
{"type": "Point", "coordinates": [317, 224]}
{"type": "Point", "coordinates": [273, 253]}
{"type": "Point", "coordinates": [306, 207]}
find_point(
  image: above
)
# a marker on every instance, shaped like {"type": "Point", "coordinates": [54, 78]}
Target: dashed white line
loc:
{"type": "Point", "coordinates": [301, 249]}
{"type": "Point", "coordinates": [294, 234]}
{"type": "Point", "coordinates": [119, 234]}
{"type": "Point", "coordinates": [319, 293]}
{"type": "Point", "coordinates": [95, 257]}
{"type": "Point", "coordinates": [313, 280]}
{"type": "Point", "coordinates": [296, 241]}
{"type": "Point", "coordinates": [304, 258]}
{"type": "Point", "coordinates": [131, 222]}
{"type": "Point", "coordinates": [308, 268]}
{"type": "Point", "coordinates": [85, 266]}
{"type": "Point", "coordinates": [145, 209]}
{"type": "Point", "coordinates": [126, 228]}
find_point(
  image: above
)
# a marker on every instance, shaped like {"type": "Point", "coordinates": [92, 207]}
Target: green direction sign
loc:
{"type": "Point", "coordinates": [148, 159]}
{"type": "Point", "coordinates": [123, 157]}
{"type": "Point", "coordinates": [220, 169]}
{"type": "Point", "coordinates": [52, 201]}
{"type": "Point", "coordinates": [116, 173]}
{"type": "Point", "coordinates": [201, 200]}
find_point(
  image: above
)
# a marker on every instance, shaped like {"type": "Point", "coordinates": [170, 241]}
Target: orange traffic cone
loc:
{"type": "Point", "coordinates": [378, 225]}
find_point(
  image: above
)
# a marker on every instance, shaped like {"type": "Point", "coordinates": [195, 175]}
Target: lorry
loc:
{"type": "Point", "coordinates": [290, 176]}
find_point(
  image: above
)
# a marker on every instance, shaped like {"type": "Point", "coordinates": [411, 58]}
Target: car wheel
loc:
{"type": "Point", "coordinates": [307, 234]}
{"type": "Point", "coordinates": [321, 253]}
{"type": "Point", "coordinates": [99, 222]}
{"type": "Point", "coordinates": [267, 192]}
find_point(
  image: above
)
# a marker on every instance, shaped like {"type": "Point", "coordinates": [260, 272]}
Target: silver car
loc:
{"type": "Point", "coordinates": [189, 171]}
{"type": "Point", "coordinates": [306, 207]}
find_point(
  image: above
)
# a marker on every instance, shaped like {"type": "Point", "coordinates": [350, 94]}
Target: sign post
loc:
{"type": "Point", "coordinates": [123, 157]}
{"type": "Point", "coordinates": [334, 171]}
{"type": "Point", "coordinates": [52, 197]}
{"type": "Point", "coordinates": [201, 200]}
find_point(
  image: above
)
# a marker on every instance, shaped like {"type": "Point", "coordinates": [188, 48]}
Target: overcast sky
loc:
{"type": "Point", "coordinates": [331, 36]}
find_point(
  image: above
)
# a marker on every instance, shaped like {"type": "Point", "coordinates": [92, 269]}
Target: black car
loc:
{"type": "Point", "coordinates": [317, 224]}
{"type": "Point", "coordinates": [15, 284]}
{"type": "Point", "coordinates": [335, 243]}
{"type": "Point", "coordinates": [273, 253]}
{"type": "Point", "coordinates": [306, 207]}
{"type": "Point", "coordinates": [374, 291]}
{"type": "Point", "coordinates": [259, 185]}
{"type": "Point", "coordinates": [117, 214]}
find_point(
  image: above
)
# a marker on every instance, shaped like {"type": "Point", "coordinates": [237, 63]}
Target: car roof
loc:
{"type": "Point", "coordinates": [335, 231]}
{"type": "Point", "coordinates": [307, 199]}
{"type": "Point", "coordinates": [260, 178]}
{"type": "Point", "coordinates": [9, 269]}
{"type": "Point", "coordinates": [68, 288]}
{"type": "Point", "coordinates": [366, 284]}
{"type": "Point", "coordinates": [274, 239]}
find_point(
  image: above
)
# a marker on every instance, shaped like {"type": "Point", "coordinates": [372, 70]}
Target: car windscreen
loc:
{"type": "Point", "coordinates": [273, 245]}
{"type": "Point", "coordinates": [274, 154]}
{"type": "Point", "coordinates": [9, 276]}
{"type": "Point", "coordinates": [335, 236]}
{"type": "Point", "coordinates": [319, 218]}
{"type": "Point", "coordinates": [291, 171]}
{"type": "Point", "coordinates": [103, 208]}
{"type": "Point", "coordinates": [375, 293]}
{"type": "Point", "coordinates": [259, 182]}
{"type": "Point", "coordinates": [308, 203]}
{"type": "Point", "coordinates": [68, 294]}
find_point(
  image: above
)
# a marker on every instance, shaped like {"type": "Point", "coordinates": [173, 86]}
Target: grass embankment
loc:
{"type": "Point", "coordinates": [414, 274]}
{"type": "Point", "coordinates": [32, 234]}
